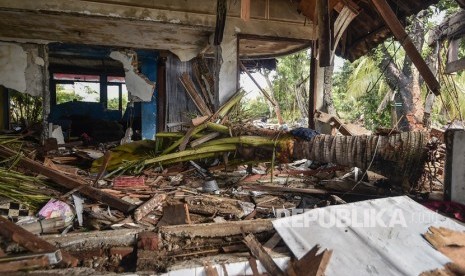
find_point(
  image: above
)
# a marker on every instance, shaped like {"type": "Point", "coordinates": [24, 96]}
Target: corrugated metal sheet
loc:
{"type": "Point", "coordinates": [370, 249]}
{"type": "Point", "coordinates": [179, 104]}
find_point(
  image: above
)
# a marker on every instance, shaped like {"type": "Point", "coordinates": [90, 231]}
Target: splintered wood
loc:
{"type": "Point", "coordinates": [149, 206]}
{"type": "Point", "coordinates": [195, 95]}
{"type": "Point", "coordinates": [262, 255]}
{"type": "Point", "coordinates": [30, 241]}
{"type": "Point", "coordinates": [311, 264]}
{"type": "Point", "coordinates": [450, 243]}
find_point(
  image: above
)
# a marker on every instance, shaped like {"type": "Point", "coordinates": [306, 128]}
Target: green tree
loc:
{"type": "Point", "coordinates": [291, 84]}
{"type": "Point", "coordinates": [255, 108]}
{"type": "Point", "coordinates": [63, 95]}
{"type": "Point", "coordinates": [361, 95]}
{"type": "Point", "coordinates": [113, 103]}
{"type": "Point", "coordinates": [25, 110]}
{"type": "Point", "coordinates": [388, 75]}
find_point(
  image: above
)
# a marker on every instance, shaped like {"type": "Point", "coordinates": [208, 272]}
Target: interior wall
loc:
{"type": "Point", "coordinates": [21, 67]}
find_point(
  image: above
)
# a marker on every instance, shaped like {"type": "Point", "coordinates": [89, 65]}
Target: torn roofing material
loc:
{"type": "Point", "coordinates": [373, 237]}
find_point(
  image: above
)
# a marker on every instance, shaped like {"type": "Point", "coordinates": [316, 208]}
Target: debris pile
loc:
{"type": "Point", "coordinates": [194, 200]}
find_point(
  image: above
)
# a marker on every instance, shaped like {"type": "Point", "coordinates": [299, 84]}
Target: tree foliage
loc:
{"type": "Point", "coordinates": [291, 85]}
{"type": "Point", "coordinates": [358, 90]}
{"type": "Point", "coordinates": [63, 95]}
{"type": "Point", "coordinates": [25, 110]}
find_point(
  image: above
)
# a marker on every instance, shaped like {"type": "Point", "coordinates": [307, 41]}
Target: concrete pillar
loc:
{"type": "Point", "coordinates": [228, 71]}
{"type": "Point", "coordinates": [455, 166]}
{"type": "Point", "coordinates": [4, 106]}
{"type": "Point", "coordinates": [319, 99]}
{"type": "Point", "coordinates": [149, 67]}
{"type": "Point", "coordinates": [43, 53]}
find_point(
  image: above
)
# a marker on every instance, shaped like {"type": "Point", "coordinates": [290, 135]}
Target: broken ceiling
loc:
{"type": "Point", "coordinates": [368, 29]}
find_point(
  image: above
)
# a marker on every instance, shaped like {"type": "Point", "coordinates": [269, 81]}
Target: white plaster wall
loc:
{"type": "Point", "coordinates": [13, 62]}
{"type": "Point", "coordinates": [228, 71]}
{"type": "Point", "coordinates": [21, 68]}
{"type": "Point", "coordinates": [138, 85]}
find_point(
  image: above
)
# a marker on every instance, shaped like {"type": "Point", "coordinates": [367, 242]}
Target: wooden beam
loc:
{"type": "Point", "coordinates": [195, 95]}
{"type": "Point", "coordinates": [245, 10]}
{"type": "Point", "coordinates": [401, 35]}
{"type": "Point", "coordinates": [69, 183]}
{"type": "Point", "coordinates": [324, 33]}
{"type": "Point", "coordinates": [312, 95]}
{"type": "Point", "coordinates": [454, 66]}
{"type": "Point", "coordinates": [346, 15]}
{"type": "Point", "coordinates": [311, 264]}
{"type": "Point", "coordinates": [260, 253]}
{"type": "Point", "coordinates": [30, 241]}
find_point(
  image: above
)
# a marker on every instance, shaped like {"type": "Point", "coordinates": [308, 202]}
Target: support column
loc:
{"type": "Point", "coordinates": [43, 53]}
{"type": "Point", "coordinates": [149, 67]}
{"type": "Point", "coordinates": [228, 71]}
{"type": "Point", "coordinates": [4, 108]}
{"type": "Point", "coordinates": [313, 91]}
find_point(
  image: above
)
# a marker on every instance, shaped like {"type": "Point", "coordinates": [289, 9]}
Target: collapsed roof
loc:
{"type": "Point", "coordinates": [368, 29]}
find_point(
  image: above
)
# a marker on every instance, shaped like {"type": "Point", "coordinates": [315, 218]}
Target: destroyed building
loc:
{"type": "Point", "coordinates": [124, 154]}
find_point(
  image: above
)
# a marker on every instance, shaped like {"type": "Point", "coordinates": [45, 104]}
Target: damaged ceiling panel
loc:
{"type": "Point", "coordinates": [185, 42]}
{"type": "Point", "coordinates": [253, 47]}
{"type": "Point", "coordinates": [367, 30]}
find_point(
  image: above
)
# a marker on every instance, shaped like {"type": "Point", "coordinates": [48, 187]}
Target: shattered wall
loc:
{"type": "Point", "coordinates": [138, 85]}
{"type": "Point", "coordinates": [21, 68]}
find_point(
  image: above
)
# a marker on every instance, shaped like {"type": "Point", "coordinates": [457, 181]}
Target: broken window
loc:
{"type": "Point", "coordinates": [75, 87]}
{"type": "Point", "coordinates": [117, 93]}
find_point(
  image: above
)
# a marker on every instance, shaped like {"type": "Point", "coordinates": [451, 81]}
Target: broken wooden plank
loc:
{"type": "Point", "coordinates": [210, 270]}
{"type": "Point", "coordinates": [211, 230]}
{"type": "Point", "coordinates": [103, 168]}
{"type": "Point", "coordinates": [199, 120]}
{"type": "Point", "coordinates": [194, 94]}
{"type": "Point", "coordinates": [448, 242]}
{"type": "Point", "coordinates": [311, 264]}
{"type": "Point", "coordinates": [401, 35]}
{"type": "Point", "coordinates": [188, 216]}
{"type": "Point", "coordinates": [455, 66]}
{"type": "Point", "coordinates": [69, 183]}
{"type": "Point", "coordinates": [149, 206]}
{"type": "Point", "coordinates": [79, 241]}
{"type": "Point", "coordinates": [30, 241]}
{"type": "Point", "coordinates": [24, 263]}
{"type": "Point", "coordinates": [271, 188]}
{"type": "Point", "coordinates": [245, 10]}
{"type": "Point", "coordinates": [260, 253]}
{"type": "Point", "coordinates": [253, 266]}
{"type": "Point", "coordinates": [204, 139]}
{"type": "Point", "coordinates": [334, 121]}
{"type": "Point", "coordinates": [173, 215]}
{"type": "Point", "coordinates": [272, 242]}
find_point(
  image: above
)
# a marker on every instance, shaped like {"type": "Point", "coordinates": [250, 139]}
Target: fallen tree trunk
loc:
{"type": "Point", "coordinates": [399, 156]}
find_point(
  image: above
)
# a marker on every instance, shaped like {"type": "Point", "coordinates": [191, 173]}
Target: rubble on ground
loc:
{"type": "Point", "coordinates": [205, 200]}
